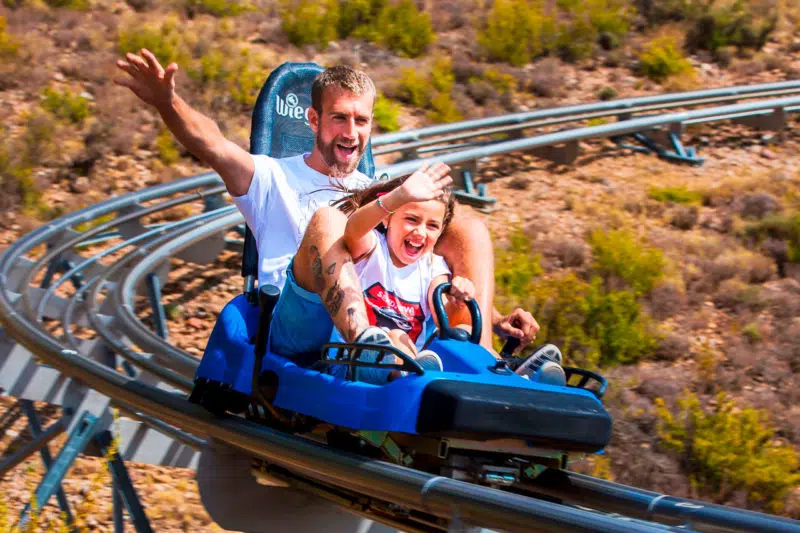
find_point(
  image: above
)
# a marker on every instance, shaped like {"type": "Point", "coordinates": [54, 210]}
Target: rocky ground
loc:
{"type": "Point", "coordinates": [704, 347]}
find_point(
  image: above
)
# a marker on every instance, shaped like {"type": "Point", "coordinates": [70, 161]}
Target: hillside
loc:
{"type": "Point", "coordinates": [681, 284]}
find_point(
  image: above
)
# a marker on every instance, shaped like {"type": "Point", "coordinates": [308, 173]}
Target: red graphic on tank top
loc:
{"type": "Point", "coordinates": [386, 309]}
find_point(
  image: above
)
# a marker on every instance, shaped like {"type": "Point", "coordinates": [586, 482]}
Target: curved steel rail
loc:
{"type": "Point", "coordinates": [468, 129]}
{"type": "Point", "coordinates": [22, 307]}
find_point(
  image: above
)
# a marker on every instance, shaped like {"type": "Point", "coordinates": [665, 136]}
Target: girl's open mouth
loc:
{"type": "Point", "coordinates": [412, 250]}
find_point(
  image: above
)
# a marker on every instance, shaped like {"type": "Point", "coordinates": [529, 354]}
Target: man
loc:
{"type": "Point", "coordinates": [283, 195]}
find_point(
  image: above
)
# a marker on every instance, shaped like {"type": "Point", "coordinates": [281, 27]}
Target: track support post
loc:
{"type": "Point", "coordinates": [51, 482]}
{"type": "Point", "coordinates": [122, 487]}
{"type": "Point", "coordinates": [154, 295]}
{"type": "Point", "coordinates": [653, 143]}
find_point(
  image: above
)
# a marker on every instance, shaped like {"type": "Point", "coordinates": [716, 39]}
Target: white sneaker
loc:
{"type": "Point", "coordinates": [429, 360]}
{"type": "Point", "coordinates": [550, 373]}
{"type": "Point", "coordinates": [548, 352]}
{"type": "Point", "coordinates": [371, 335]}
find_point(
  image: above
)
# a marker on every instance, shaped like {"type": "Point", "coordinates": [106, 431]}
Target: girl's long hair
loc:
{"type": "Point", "coordinates": [361, 197]}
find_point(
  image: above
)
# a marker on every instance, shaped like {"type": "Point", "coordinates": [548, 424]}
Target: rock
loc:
{"type": "Point", "coordinates": [194, 322]}
{"type": "Point", "coordinates": [58, 76]}
{"type": "Point", "coordinates": [80, 185]}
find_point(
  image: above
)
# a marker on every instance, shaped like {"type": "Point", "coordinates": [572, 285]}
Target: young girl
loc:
{"type": "Point", "coordinates": [392, 228]}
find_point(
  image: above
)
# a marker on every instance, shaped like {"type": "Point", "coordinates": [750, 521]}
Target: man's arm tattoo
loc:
{"type": "Point", "coordinates": [316, 269]}
{"type": "Point", "coordinates": [334, 299]}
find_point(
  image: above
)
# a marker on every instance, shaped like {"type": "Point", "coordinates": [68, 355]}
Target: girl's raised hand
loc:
{"type": "Point", "coordinates": [427, 183]}
{"type": "Point", "coordinates": [461, 289]}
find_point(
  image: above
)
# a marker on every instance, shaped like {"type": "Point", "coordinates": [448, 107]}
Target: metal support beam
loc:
{"type": "Point", "coordinates": [38, 442]}
{"type": "Point", "coordinates": [213, 202]}
{"type": "Point", "coordinates": [77, 441]}
{"type": "Point", "coordinates": [774, 121]}
{"type": "Point", "coordinates": [123, 486]}
{"type": "Point", "coordinates": [9, 417]}
{"type": "Point", "coordinates": [116, 508]}
{"type": "Point", "coordinates": [47, 459]}
{"type": "Point", "coordinates": [52, 268]}
{"type": "Point", "coordinates": [679, 152]}
{"type": "Point", "coordinates": [159, 316]}
{"type": "Point", "coordinates": [561, 154]}
{"type": "Point", "coordinates": [466, 191]}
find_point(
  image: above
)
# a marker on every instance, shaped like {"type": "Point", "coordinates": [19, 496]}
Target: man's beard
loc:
{"type": "Point", "coordinates": [337, 169]}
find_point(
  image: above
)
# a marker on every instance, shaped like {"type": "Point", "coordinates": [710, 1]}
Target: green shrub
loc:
{"type": "Point", "coordinates": [752, 332]}
{"type": "Point", "coordinates": [412, 88]}
{"type": "Point", "coordinates": [514, 30]}
{"type": "Point", "coordinates": [729, 450]}
{"type": "Point", "coordinates": [65, 104]}
{"type": "Point", "coordinates": [617, 324]}
{"type": "Point", "coordinates": [675, 195]}
{"type": "Point", "coordinates": [560, 307]}
{"type": "Point", "coordinates": [441, 79]}
{"type": "Point", "coordinates": [211, 68]}
{"type": "Point", "coordinates": [785, 227]}
{"type": "Point", "coordinates": [441, 75]}
{"type": "Point", "coordinates": [606, 93]}
{"type": "Point", "coordinates": [738, 23]}
{"type": "Point", "coordinates": [385, 113]}
{"type": "Point", "coordinates": [620, 257]}
{"type": "Point", "coordinates": [576, 35]}
{"type": "Point", "coordinates": [432, 91]}
{"type": "Point", "coordinates": [402, 28]}
{"type": "Point", "coordinates": [658, 12]}
{"type": "Point", "coordinates": [37, 139]}
{"type": "Point", "coordinates": [167, 149]}
{"type": "Point", "coordinates": [310, 22]}
{"type": "Point", "coordinates": [9, 47]}
{"type": "Point", "coordinates": [517, 31]}
{"type": "Point", "coordinates": [503, 83]}
{"type": "Point", "coordinates": [662, 59]}
{"type": "Point", "coordinates": [398, 25]}
{"type": "Point", "coordinates": [165, 41]}
{"type": "Point", "coordinates": [359, 18]}
{"type": "Point", "coordinates": [594, 326]}
{"type": "Point", "coordinates": [516, 266]}
{"type": "Point", "coordinates": [79, 5]}
{"type": "Point", "coordinates": [611, 17]}
{"type": "Point", "coordinates": [219, 8]}
{"type": "Point", "coordinates": [21, 156]}
{"type": "Point", "coordinates": [246, 77]}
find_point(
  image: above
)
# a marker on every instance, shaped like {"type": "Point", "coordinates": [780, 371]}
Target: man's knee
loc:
{"type": "Point", "coordinates": [466, 233]}
{"type": "Point", "coordinates": [471, 224]}
{"type": "Point", "coordinates": [328, 220]}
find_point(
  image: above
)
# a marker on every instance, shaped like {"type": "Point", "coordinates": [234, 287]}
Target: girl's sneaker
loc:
{"type": "Point", "coordinates": [376, 336]}
{"type": "Point", "coordinates": [544, 366]}
{"type": "Point", "coordinates": [428, 360]}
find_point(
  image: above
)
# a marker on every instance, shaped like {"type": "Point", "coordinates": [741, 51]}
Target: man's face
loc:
{"type": "Point", "coordinates": [342, 129]}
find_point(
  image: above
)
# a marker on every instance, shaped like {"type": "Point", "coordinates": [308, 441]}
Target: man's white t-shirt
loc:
{"type": "Point", "coordinates": [397, 297]}
{"type": "Point", "coordinates": [278, 206]}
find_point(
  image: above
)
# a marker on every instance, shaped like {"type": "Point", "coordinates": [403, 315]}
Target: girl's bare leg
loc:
{"type": "Point", "coordinates": [402, 342]}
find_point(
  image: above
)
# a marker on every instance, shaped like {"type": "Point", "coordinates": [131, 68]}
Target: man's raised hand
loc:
{"type": "Point", "coordinates": [148, 80]}
{"type": "Point", "coordinates": [427, 183]}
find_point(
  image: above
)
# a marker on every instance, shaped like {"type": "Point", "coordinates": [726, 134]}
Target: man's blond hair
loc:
{"type": "Point", "coordinates": [355, 81]}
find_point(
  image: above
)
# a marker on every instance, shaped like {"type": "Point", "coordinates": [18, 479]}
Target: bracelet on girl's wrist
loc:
{"type": "Point", "coordinates": [380, 203]}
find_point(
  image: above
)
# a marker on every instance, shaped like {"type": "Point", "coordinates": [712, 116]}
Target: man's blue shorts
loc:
{"type": "Point", "coordinates": [300, 324]}
{"type": "Point", "coordinates": [300, 327]}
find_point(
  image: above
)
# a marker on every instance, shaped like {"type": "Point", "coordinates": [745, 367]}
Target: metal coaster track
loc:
{"type": "Point", "coordinates": [110, 263]}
